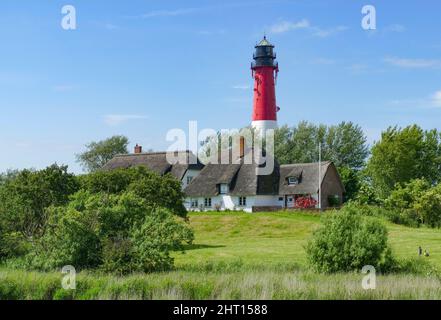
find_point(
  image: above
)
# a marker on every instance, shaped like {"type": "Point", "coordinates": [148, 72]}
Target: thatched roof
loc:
{"type": "Point", "coordinates": [241, 178]}
{"type": "Point", "coordinates": [155, 161]}
{"type": "Point", "coordinates": [306, 173]}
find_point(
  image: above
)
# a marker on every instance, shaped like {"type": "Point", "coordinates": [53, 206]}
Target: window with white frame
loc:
{"type": "Point", "coordinates": [207, 202]}
{"type": "Point", "coordinates": [293, 181]}
{"type": "Point", "coordinates": [242, 201]}
{"type": "Point", "coordinates": [194, 203]}
{"type": "Point", "coordinates": [224, 188]}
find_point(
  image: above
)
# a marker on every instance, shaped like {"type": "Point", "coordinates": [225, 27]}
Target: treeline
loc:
{"type": "Point", "coordinates": [400, 172]}
{"type": "Point", "coordinates": [118, 221]}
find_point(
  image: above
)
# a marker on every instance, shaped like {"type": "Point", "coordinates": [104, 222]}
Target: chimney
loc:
{"type": "Point", "coordinates": [242, 147]}
{"type": "Point", "coordinates": [138, 149]}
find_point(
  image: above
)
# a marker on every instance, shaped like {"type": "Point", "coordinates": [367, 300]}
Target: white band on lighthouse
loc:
{"type": "Point", "coordinates": [263, 125]}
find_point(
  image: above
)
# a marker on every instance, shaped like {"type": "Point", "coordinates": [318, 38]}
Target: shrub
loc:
{"type": "Point", "coordinates": [404, 196]}
{"type": "Point", "coordinates": [158, 191]}
{"type": "Point", "coordinates": [428, 207]}
{"type": "Point", "coordinates": [348, 241]}
{"type": "Point", "coordinates": [116, 233]}
{"type": "Point", "coordinates": [416, 203]}
{"type": "Point", "coordinates": [334, 201]}
{"type": "Point", "coordinates": [25, 197]}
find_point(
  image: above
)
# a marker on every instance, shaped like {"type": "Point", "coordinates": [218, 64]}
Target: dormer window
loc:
{"type": "Point", "coordinates": [224, 188]}
{"type": "Point", "coordinates": [293, 181]}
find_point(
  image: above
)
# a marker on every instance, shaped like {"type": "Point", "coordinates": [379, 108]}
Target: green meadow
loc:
{"type": "Point", "coordinates": [246, 256]}
{"type": "Point", "coordinates": [271, 239]}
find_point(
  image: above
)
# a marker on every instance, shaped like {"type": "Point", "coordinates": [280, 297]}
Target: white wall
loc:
{"type": "Point", "coordinates": [232, 202]}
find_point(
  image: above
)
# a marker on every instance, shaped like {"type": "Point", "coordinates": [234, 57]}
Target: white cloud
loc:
{"type": "Point", "coordinates": [433, 101]}
{"type": "Point", "coordinates": [436, 99]}
{"type": "Point", "coordinates": [110, 26]}
{"type": "Point", "coordinates": [413, 63]}
{"type": "Point", "coordinates": [169, 13]}
{"type": "Point", "coordinates": [285, 26]}
{"type": "Point", "coordinates": [118, 119]}
{"type": "Point", "coordinates": [212, 32]}
{"type": "Point", "coordinates": [323, 61]}
{"type": "Point", "coordinates": [241, 87]}
{"type": "Point", "coordinates": [395, 28]}
{"type": "Point", "coordinates": [323, 33]}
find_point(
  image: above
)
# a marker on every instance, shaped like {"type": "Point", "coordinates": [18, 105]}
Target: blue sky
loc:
{"type": "Point", "coordinates": [140, 68]}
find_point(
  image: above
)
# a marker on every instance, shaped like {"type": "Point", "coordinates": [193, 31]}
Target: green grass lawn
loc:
{"type": "Point", "coordinates": [268, 239]}
{"type": "Point", "coordinates": [243, 256]}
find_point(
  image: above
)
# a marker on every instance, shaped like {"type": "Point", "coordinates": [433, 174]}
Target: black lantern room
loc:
{"type": "Point", "coordinates": [264, 55]}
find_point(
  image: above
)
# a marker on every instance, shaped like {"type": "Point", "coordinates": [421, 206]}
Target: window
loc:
{"type": "Point", "coordinates": [194, 203]}
{"type": "Point", "coordinates": [224, 189]}
{"type": "Point", "coordinates": [189, 179]}
{"type": "Point", "coordinates": [293, 181]}
{"type": "Point", "coordinates": [242, 201]}
{"type": "Point", "coordinates": [280, 198]}
{"type": "Point", "coordinates": [207, 202]}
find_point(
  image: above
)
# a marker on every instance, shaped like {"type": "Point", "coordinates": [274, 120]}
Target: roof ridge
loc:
{"type": "Point", "coordinates": [306, 163]}
{"type": "Point", "coordinates": [152, 153]}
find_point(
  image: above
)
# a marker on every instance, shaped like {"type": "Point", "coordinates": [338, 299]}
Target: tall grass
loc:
{"type": "Point", "coordinates": [188, 285]}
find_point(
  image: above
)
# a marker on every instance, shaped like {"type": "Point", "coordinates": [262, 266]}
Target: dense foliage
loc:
{"type": "Point", "coordinates": [25, 198]}
{"type": "Point", "coordinates": [347, 241]}
{"type": "Point", "coordinates": [344, 144]}
{"type": "Point", "coordinates": [402, 155]}
{"type": "Point", "coordinates": [118, 233]}
{"type": "Point", "coordinates": [158, 191]}
{"type": "Point", "coordinates": [119, 221]}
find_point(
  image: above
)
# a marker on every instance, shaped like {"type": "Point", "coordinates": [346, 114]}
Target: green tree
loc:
{"type": "Point", "coordinates": [428, 207]}
{"type": "Point", "coordinates": [119, 233]}
{"type": "Point", "coordinates": [24, 199]}
{"type": "Point", "coordinates": [402, 155]}
{"type": "Point", "coordinates": [348, 241]}
{"type": "Point", "coordinates": [344, 144]}
{"type": "Point", "coordinates": [101, 152]}
{"type": "Point", "coordinates": [160, 191]}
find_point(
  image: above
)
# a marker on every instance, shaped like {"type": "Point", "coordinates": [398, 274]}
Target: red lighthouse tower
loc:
{"type": "Point", "coordinates": [265, 70]}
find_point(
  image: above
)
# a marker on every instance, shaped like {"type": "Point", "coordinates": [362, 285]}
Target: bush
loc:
{"type": "Point", "coordinates": [25, 197]}
{"type": "Point", "coordinates": [416, 203]}
{"type": "Point", "coordinates": [348, 241]}
{"type": "Point", "coordinates": [158, 191]}
{"type": "Point", "coordinates": [428, 207]}
{"type": "Point", "coordinates": [115, 233]}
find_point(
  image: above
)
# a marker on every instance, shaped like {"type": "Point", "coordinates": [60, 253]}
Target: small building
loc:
{"type": "Point", "coordinates": [232, 187]}
{"type": "Point", "coordinates": [302, 180]}
{"type": "Point", "coordinates": [237, 186]}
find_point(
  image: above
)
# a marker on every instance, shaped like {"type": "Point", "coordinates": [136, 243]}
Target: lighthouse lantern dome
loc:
{"type": "Point", "coordinates": [264, 54]}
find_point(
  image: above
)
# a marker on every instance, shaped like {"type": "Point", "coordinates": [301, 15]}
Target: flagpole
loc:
{"type": "Point", "coordinates": [320, 177]}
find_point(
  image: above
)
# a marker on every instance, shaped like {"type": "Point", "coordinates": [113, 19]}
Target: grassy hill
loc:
{"type": "Point", "coordinates": [243, 256]}
{"type": "Point", "coordinates": [278, 239]}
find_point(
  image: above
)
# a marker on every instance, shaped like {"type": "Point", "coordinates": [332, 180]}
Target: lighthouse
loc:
{"type": "Point", "coordinates": [264, 71]}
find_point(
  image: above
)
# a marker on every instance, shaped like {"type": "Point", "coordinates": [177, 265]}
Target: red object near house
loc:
{"type": "Point", "coordinates": [305, 203]}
